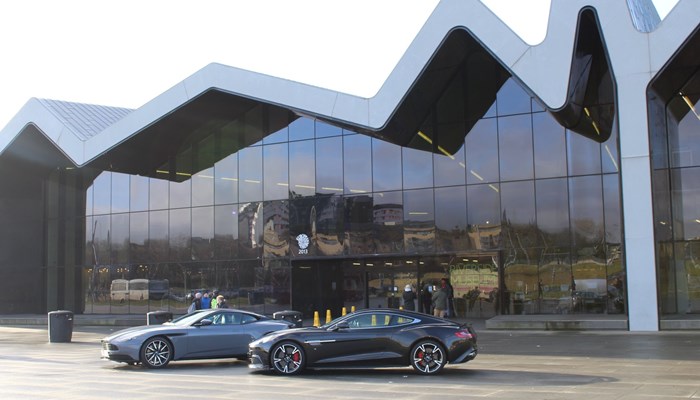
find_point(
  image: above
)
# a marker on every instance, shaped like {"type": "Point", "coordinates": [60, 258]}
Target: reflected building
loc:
{"type": "Point", "coordinates": [466, 169]}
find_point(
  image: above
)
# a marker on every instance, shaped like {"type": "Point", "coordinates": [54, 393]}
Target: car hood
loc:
{"type": "Point", "coordinates": [141, 330]}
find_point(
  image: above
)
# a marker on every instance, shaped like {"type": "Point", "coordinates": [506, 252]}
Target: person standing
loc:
{"type": "Point", "coordinates": [447, 286]}
{"type": "Point", "coordinates": [221, 302]}
{"type": "Point", "coordinates": [439, 300]}
{"type": "Point", "coordinates": [206, 301]}
{"type": "Point", "coordinates": [409, 298]}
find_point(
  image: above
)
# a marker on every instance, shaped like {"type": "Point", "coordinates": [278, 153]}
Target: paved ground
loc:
{"type": "Point", "coordinates": [511, 365]}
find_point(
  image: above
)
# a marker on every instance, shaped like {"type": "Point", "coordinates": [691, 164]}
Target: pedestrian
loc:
{"type": "Point", "coordinates": [426, 298]}
{"type": "Point", "coordinates": [439, 301]}
{"type": "Point", "coordinates": [206, 301]}
{"type": "Point", "coordinates": [450, 310]}
{"type": "Point", "coordinates": [409, 298]}
{"type": "Point", "coordinates": [473, 296]}
{"type": "Point", "coordinates": [196, 303]}
{"type": "Point", "coordinates": [221, 302]}
{"type": "Point", "coordinates": [214, 298]}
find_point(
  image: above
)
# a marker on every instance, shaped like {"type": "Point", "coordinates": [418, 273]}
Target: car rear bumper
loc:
{"type": "Point", "coordinates": [467, 355]}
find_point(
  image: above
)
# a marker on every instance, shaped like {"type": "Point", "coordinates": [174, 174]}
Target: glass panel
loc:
{"type": "Point", "coordinates": [419, 221]}
{"type": "Point", "coordinates": [329, 165]}
{"type": "Point", "coordinates": [181, 194]}
{"type": "Point", "coordinates": [158, 243]}
{"type": "Point", "coordinates": [417, 168]}
{"type": "Point", "coordinates": [278, 284]}
{"type": "Point", "coordinates": [386, 166]}
{"type": "Point", "coordinates": [120, 193]}
{"type": "Point", "coordinates": [482, 152]}
{"type": "Point", "coordinates": [250, 174]}
{"type": "Point", "coordinates": [89, 250]}
{"type": "Point", "coordinates": [226, 180]}
{"type": "Point", "coordinates": [358, 172]}
{"type": "Point", "coordinates": [451, 219]}
{"type": "Point", "coordinates": [553, 216]}
{"type": "Point", "coordinates": [302, 226]}
{"type": "Point", "coordinates": [449, 169]}
{"type": "Point", "coordinates": [613, 244]}
{"type": "Point", "coordinates": [329, 224]}
{"type": "Point", "coordinates": [685, 185]}
{"type": "Point", "coordinates": [300, 129]}
{"type": "Point", "coordinates": [583, 154]}
{"type": "Point", "coordinates": [138, 193]}
{"type": "Point", "coordinates": [302, 167]}
{"type": "Point", "coordinates": [611, 154]}
{"type": "Point", "coordinates": [515, 147]}
{"type": "Point", "coordinates": [276, 171]}
{"type": "Point", "coordinates": [550, 146]}
{"type": "Point", "coordinates": [280, 136]}
{"type": "Point", "coordinates": [101, 243]}
{"type": "Point", "coordinates": [324, 130]}
{"type": "Point", "coordinates": [88, 201]}
{"type": "Point", "coordinates": [512, 99]}
{"type": "Point", "coordinates": [102, 193]}
{"type": "Point", "coordinates": [138, 237]}
{"type": "Point", "coordinates": [180, 235]}
{"type": "Point", "coordinates": [589, 275]}
{"type": "Point", "coordinates": [388, 221]}
{"type": "Point", "coordinates": [276, 226]}
{"type": "Point", "coordinates": [158, 194]}
{"type": "Point", "coordinates": [120, 238]}
{"type": "Point", "coordinates": [203, 188]}
{"type": "Point", "coordinates": [484, 216]}
{"type": "Point", "coordinates": [226, 231]}
{"type": "Point", "coordinates": [684, 143]}
{"type": "Point", "coordinates": [250, 230]}
{"type": "Point", "coordinates": [202, 233]}
{"type": "Point", "coordinates": [358, 222]}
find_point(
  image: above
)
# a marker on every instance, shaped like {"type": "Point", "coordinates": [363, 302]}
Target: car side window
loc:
{"type": "Point", "coordinates": [246, 318]}
{"type": "Point", "coordinates": [375, 320]}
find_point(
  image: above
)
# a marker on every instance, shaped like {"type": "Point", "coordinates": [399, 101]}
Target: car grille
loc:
{"type": "Point", "coordinates": [109, 346]}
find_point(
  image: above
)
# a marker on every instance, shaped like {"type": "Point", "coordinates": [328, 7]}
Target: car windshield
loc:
{"type": "Point", "coordinates": [187, 319]}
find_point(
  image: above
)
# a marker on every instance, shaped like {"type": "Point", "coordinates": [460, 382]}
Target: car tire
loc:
{"type": "Point", "coordinates": [287, 358]}
{"type": "Point", "coordinates": [428, 357]}
{"type": "Point", "coordinates": [156, 352]}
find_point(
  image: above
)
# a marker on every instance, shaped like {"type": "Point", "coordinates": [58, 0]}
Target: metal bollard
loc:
{"type": "Point", "coordinates": [317, 321]}
{"type": "Point", "coordinates": [328, 316]}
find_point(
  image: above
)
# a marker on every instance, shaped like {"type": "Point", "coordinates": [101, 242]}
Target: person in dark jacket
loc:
{"type": "Point", "coordinates": [409, 298]}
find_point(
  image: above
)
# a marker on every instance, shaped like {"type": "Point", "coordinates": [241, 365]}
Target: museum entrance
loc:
{"type": "Point", "coordinates": [379, 282]}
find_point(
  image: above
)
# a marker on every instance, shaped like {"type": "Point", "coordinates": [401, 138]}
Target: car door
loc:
{"type": "Point", "coordinates": [366, 340]}
{"type": "Point", "coordinates": [226, 336]}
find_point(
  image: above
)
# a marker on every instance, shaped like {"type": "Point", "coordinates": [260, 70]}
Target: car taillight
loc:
{"type": "Point", "coordinates": [464, 334]}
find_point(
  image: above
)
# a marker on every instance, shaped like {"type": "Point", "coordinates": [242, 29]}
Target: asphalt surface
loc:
{"type": "Point", "coordinates": [511, 365]}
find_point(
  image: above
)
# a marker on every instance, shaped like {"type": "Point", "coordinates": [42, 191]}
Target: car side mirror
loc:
{"type": "Point", "coordinates": [342, 326]}
{"type": "Point", "coordinates": [204, 322]}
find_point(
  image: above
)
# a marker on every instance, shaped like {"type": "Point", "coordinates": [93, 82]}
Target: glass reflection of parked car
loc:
{"type": "Point", "coordinates": [584, 301]}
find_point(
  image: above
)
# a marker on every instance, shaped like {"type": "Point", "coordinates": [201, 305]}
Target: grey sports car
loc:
{"type": "Point", "coordinates": [204, 334]}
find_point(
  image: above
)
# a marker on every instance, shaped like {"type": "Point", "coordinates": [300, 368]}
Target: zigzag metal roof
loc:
{"type": "Point", "coordinates": [84, 132]}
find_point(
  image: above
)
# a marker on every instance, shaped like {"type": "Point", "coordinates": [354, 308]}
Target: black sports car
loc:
{"type": "Point", "coordinates": [374, 337]}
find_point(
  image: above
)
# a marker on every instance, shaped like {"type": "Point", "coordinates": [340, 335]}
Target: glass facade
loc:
{"type": "Point", "coordinates": [524, 218]}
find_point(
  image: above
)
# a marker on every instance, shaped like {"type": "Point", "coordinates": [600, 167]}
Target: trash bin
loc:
{"type": "Point", "coordinates": [60, 326]}
{"type": "Point", "coordinates": [158, 317]}
{"type": "Point", "coordinates": [291, 316]}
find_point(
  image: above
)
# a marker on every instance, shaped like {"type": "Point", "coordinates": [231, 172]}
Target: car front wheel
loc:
{"type": "Point", "coordinates": [156, 352]}
{"type": "Point", "coordinates": [288, 358]}
{"type": "Point", "coordinates": [428, 357]}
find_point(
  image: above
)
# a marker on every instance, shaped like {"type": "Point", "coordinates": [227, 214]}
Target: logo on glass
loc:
{"type": "Point", "coordinates": [303, 241]}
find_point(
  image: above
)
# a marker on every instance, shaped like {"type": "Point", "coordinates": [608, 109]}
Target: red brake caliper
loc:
{"type": "Point", "coordinates": [295, 357]}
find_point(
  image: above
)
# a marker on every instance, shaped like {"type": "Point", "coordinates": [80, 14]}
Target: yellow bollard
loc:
{"type": "Point", "coordinates": [374, 320]}
{"type": "Point", "coordinates": [317, 321]}
{"type": "Point", "coordinates": [343, 312]}
{"type": "Point", "coordinates": [400, 307]}
{"type": "Point", "coordinates": [328, 316]}
{"type": "Point", "coordinates": [352, 309]}
{"type": "Point", "coordinates": [386, 319]}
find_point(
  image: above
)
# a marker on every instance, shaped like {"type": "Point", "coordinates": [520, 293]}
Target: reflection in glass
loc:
{"type": "Point", "coordinates": [202, 233]}
{"type": "Point", "coordinates": [512, 99]}
{"type": "Point", "coordinates": [515, 147]}
{"type": "Point", "coordinates": [583, 154]}
{"type": "Point", "coordinates": [357, 168]}
{"type": "Point", "coordinates": [388, 220]}
{"type": "Point", "coordinates": [325, 130]}
{"type": "Point", "coordinates": [181, 194]}
{"type": "Point", "coordinates": [203, 188]}
{"type": "Point", "coordinates": [484, 216]}
{"type": "Point", "coordinates": [449, 168]}
{"type": "Point", "coordinates": [300, 129]}
{"type": "Point", "coordinates": [280, 136]}
{"type": "Point", "coordinates": [419, 221]}
{"type": "Point", "coordinates": [386, 166]}
{"type": "Point", "coordinates": [138, 237]}
{"type": "Point", "coordinates": [417, 168]}
{"type": "Point", "coordinates": [120, 193]}
{"type": "Point", "coordinates": [101, 243]}
{"type": "Point", "coordinates": [158, 243]}
{"type": "Point", "coordinates": [226, 232]}
{"type": "Point", "coordinates": [684, 145]}
{"type": "Point", "coordinates": [329, 165]}
{"type": "Point", "coordinates": [550, 146]}
{"type": "Point", "coordinates": [451, 219]}
{"type": "Point", "coordinates": [302, 221]}
{"type": "Point", "coordinates": [276, 176]}
{"type": "Point", "coordinates": [88, 200]}
{"type": "Point", "coordinates": [250, 174]}
{"type": "Point", "coordinates": [250, 230]}
{"type": "Point", "coordinates": [329, 225]}
{"type": "Point", "coordinates": [302, 168]}
{"type": "Point", "coordinates": [158, 194]}
{"type": "Point", "coordinates": [358, 225]}
{"type": "Point", "coordinates": [180, 234]}
{"type": "Point", "coordinates": [226, 180]}
{"type": "Point", "coordinates": [138, 193]}
{"type": "Point", "coordinates": [102, 193]}
{"type": "Point", "coordinates": [276, 229]}
{"type": "Point", "coordinates": [482, 152]}
{"type": "Point", "coordinates": [119, 238]}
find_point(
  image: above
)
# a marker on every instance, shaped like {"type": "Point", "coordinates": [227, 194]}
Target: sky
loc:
{"type": "Point", "coordinates": [124, 53]}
